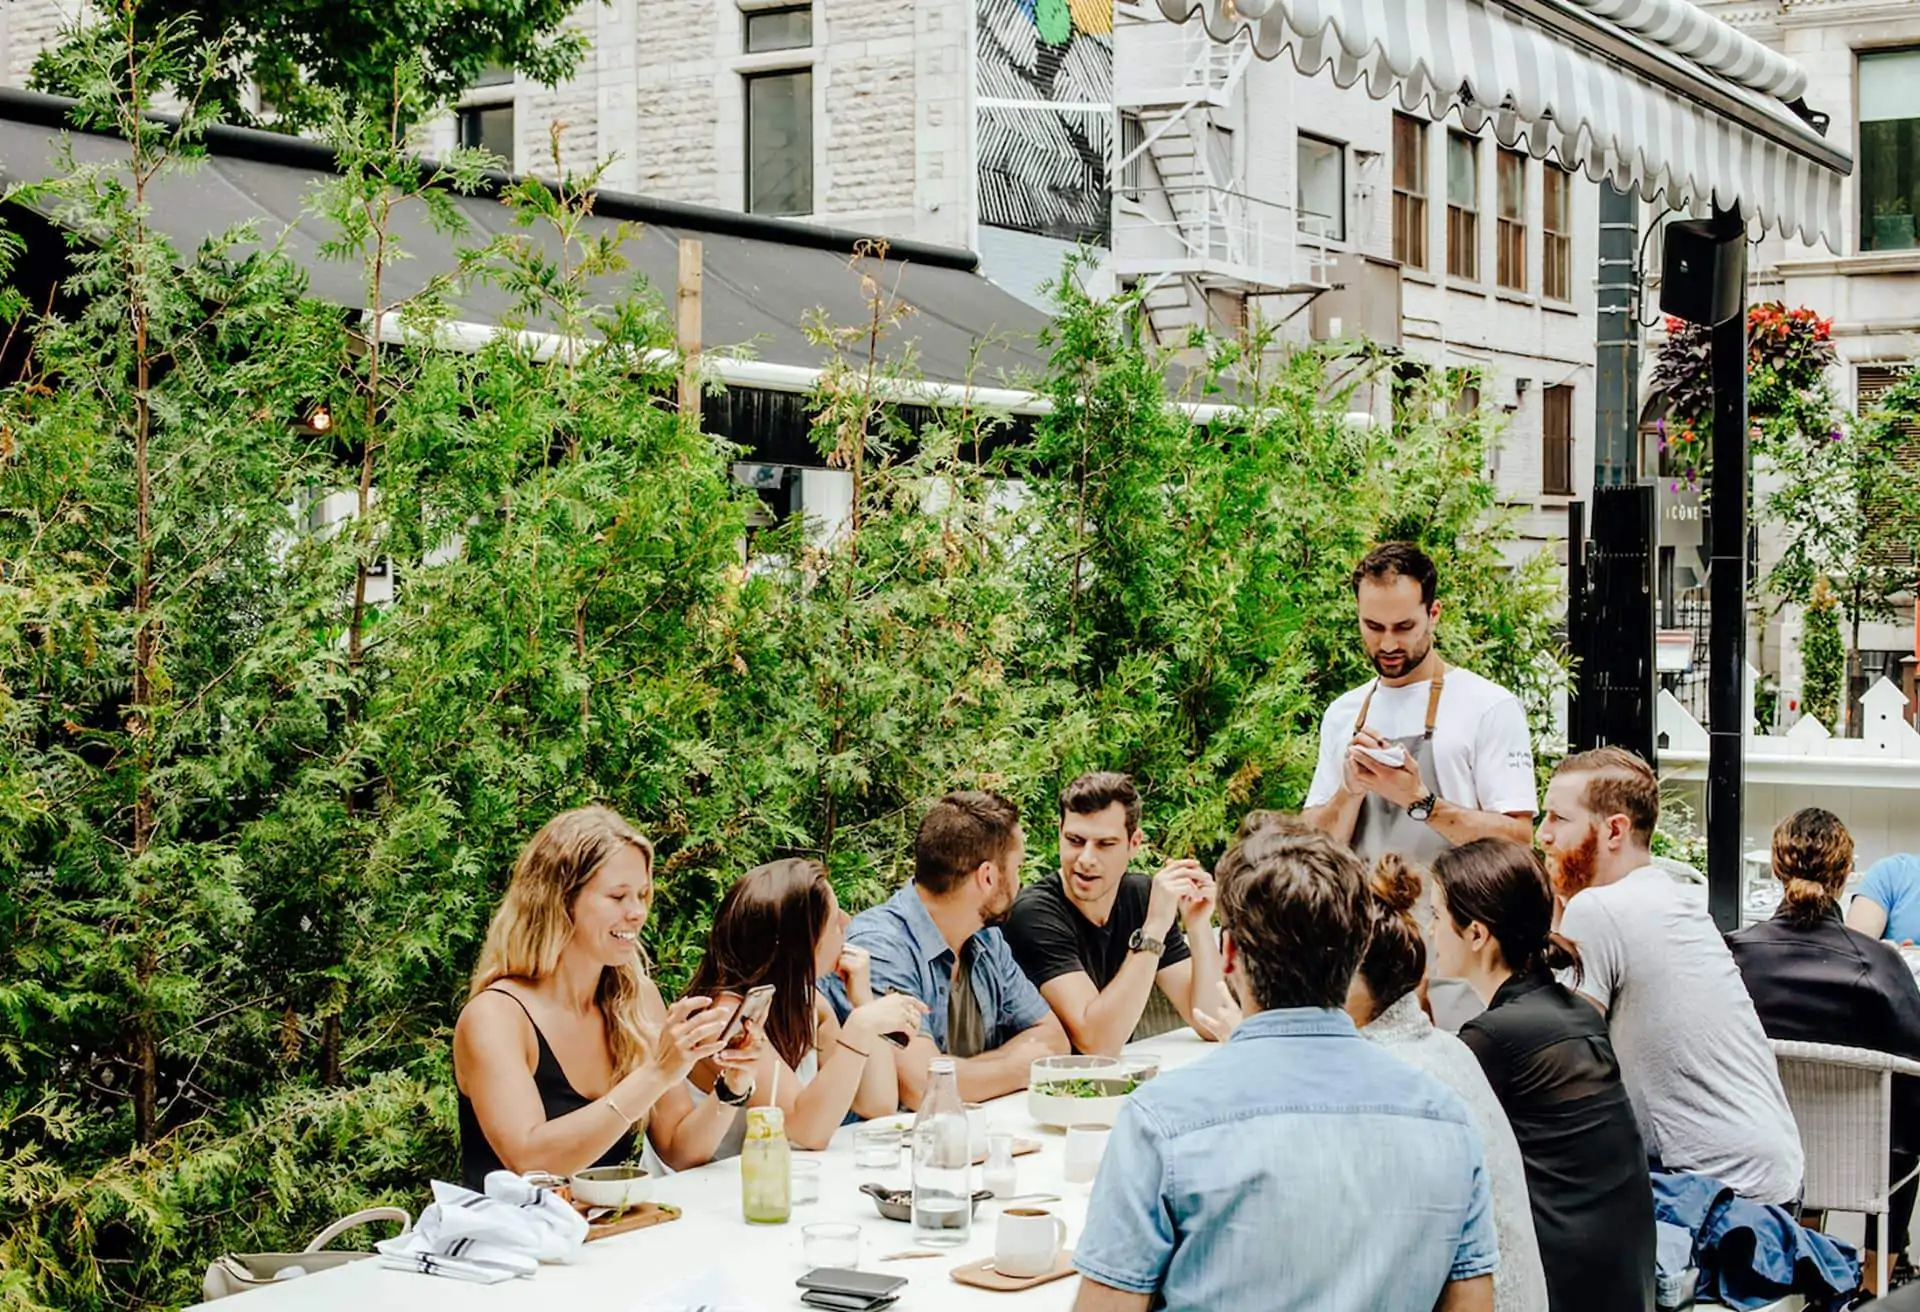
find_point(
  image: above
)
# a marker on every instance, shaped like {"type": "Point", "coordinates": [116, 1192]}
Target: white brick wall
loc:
{"type": "Point", "coordinates": [28, 27]}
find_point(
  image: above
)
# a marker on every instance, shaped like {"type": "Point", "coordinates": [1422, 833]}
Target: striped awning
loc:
{"type": "Point", "coordinates": [1653, 94]}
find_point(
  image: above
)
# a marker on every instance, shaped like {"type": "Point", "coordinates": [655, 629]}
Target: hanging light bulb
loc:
{"type": "Point", "coordinates": [320, 418]}
{"type": "Point", "coordinates": [1251, 11]}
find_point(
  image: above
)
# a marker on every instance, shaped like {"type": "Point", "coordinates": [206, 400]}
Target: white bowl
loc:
{"type": "Point", "coordinates": [611, 1186]}
{"type": "Point", "coordinates": [1063, 1091]}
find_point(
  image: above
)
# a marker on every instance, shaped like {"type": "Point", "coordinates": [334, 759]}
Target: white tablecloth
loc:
{"type": "Point", "coordinates": [761, 1262]}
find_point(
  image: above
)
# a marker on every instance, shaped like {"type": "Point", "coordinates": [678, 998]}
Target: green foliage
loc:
{"type": "Point", "coordinates": [303, 56]}
{"type": "Point", "coordinates": [255, 813]}
{"type": "Point", "coordinates": [1825, 656]}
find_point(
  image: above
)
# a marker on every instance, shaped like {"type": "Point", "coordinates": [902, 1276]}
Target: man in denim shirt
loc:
{"type": "Point", "coordinates": [1300, 1167]}
{"type": "Point", "coordinates": [935, 940]}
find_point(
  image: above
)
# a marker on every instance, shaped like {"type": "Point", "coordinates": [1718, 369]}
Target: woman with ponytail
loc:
{"type": "Point", "coordinates": [1814, 979]}
{"type": "Point", "coordinates": [1546, 1053]}
{"type": "Point", "coordinates": [1384, 1001]}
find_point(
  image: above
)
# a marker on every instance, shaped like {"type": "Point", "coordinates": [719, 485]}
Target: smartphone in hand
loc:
{"type": "Point", "coordinates": [754, 1007]}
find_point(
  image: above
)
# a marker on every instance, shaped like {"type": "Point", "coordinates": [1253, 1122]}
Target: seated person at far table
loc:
{"type": "Point", "coordinates": [1696, 1061]}
{"type": "Point", "coordinates": [564, 1045]}
{"type": "Point", "coordinates": [1816, 981]}
{"type": "Point", "coordinates": [1298, 1167]}
{"type": "Point", "coordinates": [1887, 903]}
{"type": "Point", "coordinates": [936, 940]}
{"type": "Point", "coordinates": [1098, 940]}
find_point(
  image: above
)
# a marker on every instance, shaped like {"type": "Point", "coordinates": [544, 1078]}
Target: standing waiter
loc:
{"type": "Point", "coordinates": [1425, 756]}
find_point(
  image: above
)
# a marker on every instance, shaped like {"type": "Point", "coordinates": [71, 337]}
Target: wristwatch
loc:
{"type": "Point", "coordinates": [1140, 942]}
{"type": "Point", "coordinates": [723, 1092]}
{"type": "Point", "coordinates": [1422, 810]}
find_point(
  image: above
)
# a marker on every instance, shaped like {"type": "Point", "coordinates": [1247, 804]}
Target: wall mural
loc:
{"type": "Point", "coordinates": [1044, 99]}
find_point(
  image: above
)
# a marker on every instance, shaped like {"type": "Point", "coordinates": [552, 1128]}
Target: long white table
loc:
{"type": "Point", "coordinates": [760, 1262]}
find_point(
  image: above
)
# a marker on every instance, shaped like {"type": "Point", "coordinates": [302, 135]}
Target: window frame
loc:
{"type": "Point", "coordinates": [468, 134]}
{"type": "Point", "coordinates": [747, 81]}
{"type": "Point", "coordinates": [748, 17]}
{"type": "Point", "coordinates": [1556, 448]}
{"type": "Point", "coordinates": [1510, 230]}
{"type": "Point", "coordinates": [1463, 221]}
{"type": "Point", "coordinates": [1556, 242]}
{"type": "Point", "coordinates": [1338, 219]}
{"type": "Point", "coordinates": [1866, 208]}
{"type": "Point", "coordinates": [1410, 194]}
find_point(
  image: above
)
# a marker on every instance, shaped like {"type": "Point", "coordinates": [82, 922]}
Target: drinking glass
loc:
{"type": "Point", "coordinates": [1086, 1144]}
{"type": "Point", "coordinates": [876, 1147]}
{"type": "Point", "coordinates": [805, 1180]}
{"type": "Point", "coordinates": [831, 1244]}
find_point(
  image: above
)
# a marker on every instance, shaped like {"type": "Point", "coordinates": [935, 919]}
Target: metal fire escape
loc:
{"type": "Point", "coordinates": [1185, 231]}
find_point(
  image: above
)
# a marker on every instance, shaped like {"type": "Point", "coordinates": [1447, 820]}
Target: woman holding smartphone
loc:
{"type": "Point", "coordinates": [565, 1046]}
{"type": "Point", "coordinates": [781, 924]}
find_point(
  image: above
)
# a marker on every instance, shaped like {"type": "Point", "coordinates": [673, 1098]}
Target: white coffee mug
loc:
{"type": "Point", "coordinates": [1028, 1242]}
{"type": "Point", "coordinates": [1086, 1144]}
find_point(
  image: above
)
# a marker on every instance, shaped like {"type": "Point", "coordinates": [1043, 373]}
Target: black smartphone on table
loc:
{"type": "Point", "coordinates": [869, 1285]}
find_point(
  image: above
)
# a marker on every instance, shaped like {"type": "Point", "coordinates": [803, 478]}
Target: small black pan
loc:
{"type": "Point", "coordinates": [897, 1204]}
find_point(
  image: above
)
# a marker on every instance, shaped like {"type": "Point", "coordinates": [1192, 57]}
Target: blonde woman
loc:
{"type": "Point", "coordinates": [565, 1046]}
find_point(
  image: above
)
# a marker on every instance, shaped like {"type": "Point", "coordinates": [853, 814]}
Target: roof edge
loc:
{"type": "Point", "coordinates": [297, 152]}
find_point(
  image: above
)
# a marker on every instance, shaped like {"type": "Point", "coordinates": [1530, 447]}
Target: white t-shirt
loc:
{"type": "Point", "coordinates": [1702, 1076]}
{"type": "Point", "coordinates": [1482, 751]}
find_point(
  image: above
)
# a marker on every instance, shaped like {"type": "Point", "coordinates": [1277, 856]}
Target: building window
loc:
{"type": "Point", "coordinates": [786, 28]}
{"type": "Point", "coordinates": [1870, 382]}
{"type": "Point", "coordinates": [1410, 191]}
{"type": "Point", "coordinates": [1556, 246]}
{"type": "Point", "coordinates": [780, 142]}
{"type": "Point", "coordinates": [1322, 191]}
{"type": "Point", "coordinates": [1510, 233]}
{"type": "Point", "coordinates": [1556, 442]}
{"type": "Point", "coordinates": [489, 128]}
{"type": "Point", "coordinates": [1463, 207]}
{"type": "Point", "coordinates": [1888, 171]}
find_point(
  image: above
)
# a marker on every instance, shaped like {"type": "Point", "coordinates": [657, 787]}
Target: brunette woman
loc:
{"type": "Point", "coordinates": [1384, 1002]}
{"type": "Point", "coordinates": [1546, 1053]}
{"type": "Point", "coordinates": [1814, 979]}
{"type": "Point", "coordinates": [565, 1046]}
{"type": "Point", "coordinates": [781, 924]}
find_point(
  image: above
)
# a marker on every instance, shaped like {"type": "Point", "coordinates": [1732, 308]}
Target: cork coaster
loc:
{"type": "Point", "coordinates": [981, 1275]}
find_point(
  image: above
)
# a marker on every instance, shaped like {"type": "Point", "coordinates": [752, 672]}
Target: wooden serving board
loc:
{"type": "Point", "coordinates": [981, 1275]}
{"type": "Point", "coordinates": [1021, 1148]}
{"type": "Point", "coordinates": [635, 1218]}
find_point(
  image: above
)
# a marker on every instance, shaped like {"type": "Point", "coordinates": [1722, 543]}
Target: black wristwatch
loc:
{"type": "Point", "coordinates": [723, 1092]}
{"type": "Point", "coordinates": [1140, 942]}
{"type": "Point", "coordinates": [1422, 810]}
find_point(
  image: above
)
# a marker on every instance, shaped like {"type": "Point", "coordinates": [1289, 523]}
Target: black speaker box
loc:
{"type": "Point", "coordinates": [1703, 278]}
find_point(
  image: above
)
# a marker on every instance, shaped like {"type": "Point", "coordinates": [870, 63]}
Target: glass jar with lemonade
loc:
{"type": "Point", "coordinates": [766, 1168]}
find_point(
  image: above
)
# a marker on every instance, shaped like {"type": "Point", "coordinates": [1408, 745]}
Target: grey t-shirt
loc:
{"type": "Point", "coordinates": [1703, 1080]}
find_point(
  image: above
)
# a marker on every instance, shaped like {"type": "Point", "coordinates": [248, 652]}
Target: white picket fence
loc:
{"type": "Point", "coordinates": [1872, 782]}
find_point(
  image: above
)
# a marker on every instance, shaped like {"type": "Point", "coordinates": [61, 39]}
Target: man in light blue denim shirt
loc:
{"type": "Point", "coordinates": [935, 940]}
{"type": "Point", "coordinates": [1300, 1167]}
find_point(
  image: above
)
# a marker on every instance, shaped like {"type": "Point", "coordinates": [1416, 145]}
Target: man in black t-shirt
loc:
{"type": "Point", "coordinates": [1097, 940]}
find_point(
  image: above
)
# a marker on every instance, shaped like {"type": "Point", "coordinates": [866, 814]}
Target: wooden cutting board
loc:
{"type": "Point", "coordinates": [1021, 1148]}
{"type": "Point", "coordinates": [637, 1218]}
{"type": "Point", "coordinates": [981, 1275]}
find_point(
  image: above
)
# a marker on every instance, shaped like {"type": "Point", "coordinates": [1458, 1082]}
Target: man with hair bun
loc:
{"type": "Point", "coordinates": [1697, 1065]}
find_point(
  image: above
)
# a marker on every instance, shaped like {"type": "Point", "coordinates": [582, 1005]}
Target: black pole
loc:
{"type": "Point", "coordinates": [1578, 646]}
{"type": "Point", "coordinates": [1727, 593]}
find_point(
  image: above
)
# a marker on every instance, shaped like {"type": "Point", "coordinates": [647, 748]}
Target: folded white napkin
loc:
{"type": "Point", "coordinates": [507, 1231]}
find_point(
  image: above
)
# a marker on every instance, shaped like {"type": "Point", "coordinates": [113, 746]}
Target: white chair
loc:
{"type": "Point", "coordinates": [1842, 1101]}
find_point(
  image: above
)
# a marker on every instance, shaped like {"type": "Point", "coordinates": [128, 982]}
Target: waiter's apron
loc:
{"type": "Point", "coordinates": [1385, 826]}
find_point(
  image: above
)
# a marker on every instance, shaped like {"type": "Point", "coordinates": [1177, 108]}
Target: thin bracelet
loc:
{"type": "Point", "coordinates": [608, 1100]}
{"type": "Point", "coordinates": [850, 1048]}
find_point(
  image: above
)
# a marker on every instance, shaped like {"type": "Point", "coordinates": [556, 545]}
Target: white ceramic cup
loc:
{"type": "Point", "coordinates": [1028, 1242]}
{"type": "Point", "coordinates": [1086, 1144]}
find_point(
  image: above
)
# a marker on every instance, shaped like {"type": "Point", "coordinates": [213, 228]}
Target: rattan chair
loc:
{"type": "Point", "coordinates": [1842, 1100]}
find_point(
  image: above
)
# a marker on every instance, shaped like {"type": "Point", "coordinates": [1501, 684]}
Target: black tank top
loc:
{"type": "Point", "coordinates": [558, 1097]}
